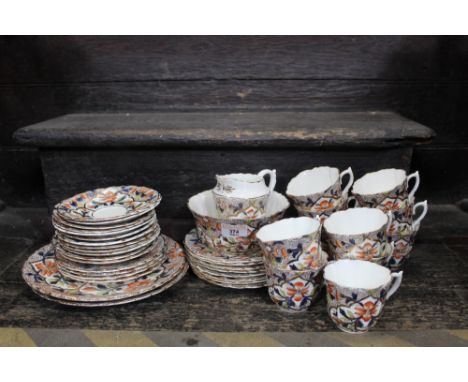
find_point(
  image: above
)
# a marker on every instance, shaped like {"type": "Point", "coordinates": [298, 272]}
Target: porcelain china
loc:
{"type": "Point", "coordinates": [231, 235]}
{"type": "Point", "coordinates": [318, 191]}
{"type": "Point", "coordinates": [359, 233]}
{"type": "Point", "coordinates": [357, 292]}
{"type": "Point", "coordinates": [292, 244]}
{"type": "Point", "coordinates": [243, 270]}
{"type": "Point", "coordinates": [387, 189]}
{"type": "Point", "coordinates": [103, 205]}
{"type": "Point", "coordinates": [41, 273]}
{"type": "Point", "coordinates": [404, 239]}
{"type": "Point", "coordinates": [294, 291]}
{"type": "Point", "coordinates": [240, 195]}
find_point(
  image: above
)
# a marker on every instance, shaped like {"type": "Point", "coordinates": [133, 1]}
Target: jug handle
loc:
{"type": "Point", "coordinates": [414, 175]}
{"type": "Point", "coordinates": [417, 222]}
{"type": "Point", "coordinates": [272, 173]}
{"type": "Point", "coordinates": [349, 172]}
{"type": "Point", "coordinates": [396, 281]}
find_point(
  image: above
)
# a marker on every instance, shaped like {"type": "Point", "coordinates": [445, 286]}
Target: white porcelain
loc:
{"type": "Point", "coordinates": [245, 186]}
{"type": "Point", "coordinates": [421, 205]}
{"type": "Point", "coordinates": [357, 292]}
{"type": "Point", "coordinates": [356, 221]}
{"type": "Point", "coordinates": [203, 204]}
{"type": "Point", "coordinates": [318, 180]}
{"type": "Point", "coordinates": [287, 229]}
{"type": "Point", "coordinates": [385, 181]}
{"type": "Point", "coordinates": [357, 274]}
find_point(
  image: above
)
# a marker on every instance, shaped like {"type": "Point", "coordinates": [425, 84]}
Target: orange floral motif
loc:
{"type": "Point", "coordinates": [323, 206]}
{"type": "Point", "coordinates": [391, 206]}
{"type": "Point", "coordinates": [109, 196]}
{"type": "Point", "coordinates": [138, 284]}
{"type": "Point", "coordinates": [367, 311]}
{"type": "Point", "coordinates": [298, 292]}
{"type": "Point", "coordinates": [47, 268]}
{"type": "Point", "coordinates": [367, 251]}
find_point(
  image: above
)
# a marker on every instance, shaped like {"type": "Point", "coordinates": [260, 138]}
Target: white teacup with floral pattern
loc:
{"type": "Point", "coordinates": [403, 235]}
{"type": "Point", "coordinates": [292, 243]}
{"type": "Point", "coordinates": [356, 293]}
{"type": "Point", "coordinates": [315, 192]}
{"type": "Point", "coordinates": [359, 233]}
{"type": "Point", "coordinates": [241, 196]}
{"type": "Point", "coordinates": [386, 189]}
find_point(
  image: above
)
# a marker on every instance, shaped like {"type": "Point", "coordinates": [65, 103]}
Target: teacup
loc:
{"type": "Point", "coordinates": [359, 233]}
{"type": "Point", "coordinates": [243, 196]}
{"type": "Point", "coordinates": [404, 238]}
{"type": "Point", "coordinates": [322, 214]}
{"type": "Point", "coordinates": [292, 244]}
{"type": "Point", "coordinates": [231, 235]}
{"type": "Point", "coordinates": [294, 291]}
{"type": "Point", "coordinates": [386, 189]}
{"type": "Point", "coordinates": [318, 191]}
{"type": "Point", "coordinates": [357, 292]}
{"type": "Point", "coordinates": [403, 220]}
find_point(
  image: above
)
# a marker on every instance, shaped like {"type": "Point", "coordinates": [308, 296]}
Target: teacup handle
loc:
{"type": "Point", "coordinates": [390, 248]}
{"type": "Point", "coordinates": [352, 199]}
{"type": "Point", "coordinates": [423, 213]}
{"type": "Point", "coordinates": [390, 220]}
{"type": "Point", "coordinates": [414, 175]}
{"type": "Point", "coordinates": [272, 173]}
{"type": "Point", "coordinates": [349, 172]}
{"type": "Point", "coordinates": [396, 281]}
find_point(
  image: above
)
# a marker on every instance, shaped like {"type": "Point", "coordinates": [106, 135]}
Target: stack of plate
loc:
{"type": "Point", "coordinates": [107, 250]}
{"type": "Point", "coordinates": [225, 269]}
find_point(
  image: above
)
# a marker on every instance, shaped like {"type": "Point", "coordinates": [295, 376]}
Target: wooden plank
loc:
{"type": "Point", "coordinates": [179, 174]}
{"type": "Point", "coordinates": [439, 105]}
{"type": "Point", "coordinates": [433, 295]}
{"type": "Point", "coordinates": [226, 130]}
{"type": "Point", "coordinates": [65, 59]}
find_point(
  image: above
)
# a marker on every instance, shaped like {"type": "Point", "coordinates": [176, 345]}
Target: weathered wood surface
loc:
{"type": "Point", "coordinates": [180, 173]}
{"type": "Point", "coordinates": [272, 129]}
{"type": "Point", "coordinates": [39, 59]}
{"type": "Point", "coordinates": [439, 105]}
{"type": "Point", "coordinates": [423, 78]}
{"type": "Point", "coordinates": [433, 295]}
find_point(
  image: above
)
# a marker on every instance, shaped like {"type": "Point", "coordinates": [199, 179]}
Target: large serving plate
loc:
{"type": "Point", "coordinates": [176, 278]}
{"type": "Point", "coordinates": [41, 273]}
{"type": "Point", "coordinates": [111, 204]}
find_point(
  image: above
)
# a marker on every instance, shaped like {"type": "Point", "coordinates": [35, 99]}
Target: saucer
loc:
{"type": "Point", "coordinates": [225, 269]}
{"type": "Point", "coordinates": [111, 204]}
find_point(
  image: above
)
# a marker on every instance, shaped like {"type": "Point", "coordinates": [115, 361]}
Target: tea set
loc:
{"type": "Point", "coordinates": [108, 248]}
{"type": "Point", "coordinates": [357, 253]}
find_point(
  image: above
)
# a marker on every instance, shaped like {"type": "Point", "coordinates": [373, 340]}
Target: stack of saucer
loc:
{"type": "Point", "coordinates": [224, 252]}
{"type": "Point", "coordinates": [107, 250]}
